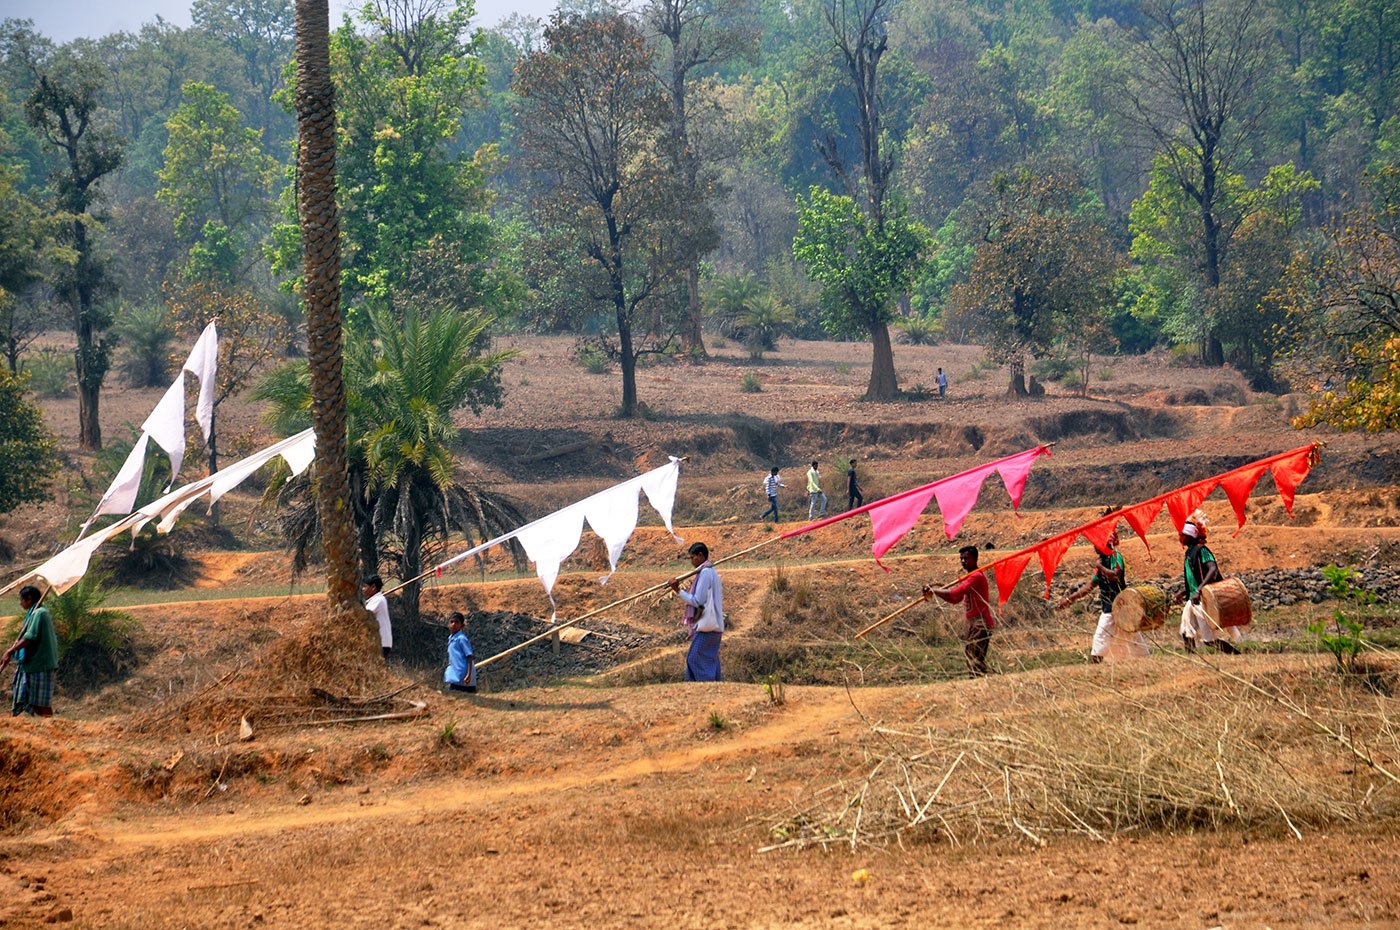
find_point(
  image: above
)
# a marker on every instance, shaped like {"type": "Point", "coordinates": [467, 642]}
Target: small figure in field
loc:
{"type": "Point", "coordinates": [461, 664]}
{"type": "Point", "coordinates": [37, 651]}
{"type": "Point", "coordinates": [942, 384]}
{"type": "Point", "coordinates": [704, 616]}
{"type": "Point", "coordinates": [770, 487]}
{"type": "Point", "coordinates": [377, 604]}
{"type": "Point", "coordinates": [1110, 578]}
{"type": "Point", "coordinates": [854, 498]}
{"type": "Point", "coordinates": [815, 494]}
{"type": "Point", "coordinates": [974, 593]}
{"type": "Point", "coordinates": [1200, 569]}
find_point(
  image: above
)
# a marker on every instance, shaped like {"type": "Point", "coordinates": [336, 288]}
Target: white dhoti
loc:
{"type": "Point", "coordinates": [1112, 644]}
{"type": "Point", "coordinates": [1196, 624]}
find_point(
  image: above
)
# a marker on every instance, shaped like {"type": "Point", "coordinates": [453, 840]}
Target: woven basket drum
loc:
{"type": "Point", "coordinates": [1226, 603]}
{"type": "Point", "coordinates": [1140, 608]}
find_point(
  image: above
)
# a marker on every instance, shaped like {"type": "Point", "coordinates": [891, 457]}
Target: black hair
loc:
{"type": "Point", "coordinates": [375, 582]}
{"type": "Point", "coordinates": [774, 470]}
{"type": "Point", "coordinates": [699, 549]}
{"type": "Point", "coordinates": [814, 463]}
{"type": "Point", "coordinates": [969, 550]}
{"type": "Point", "coordinates": [30, 593]}
{"type": "Point", "coordinates": [457, 616]}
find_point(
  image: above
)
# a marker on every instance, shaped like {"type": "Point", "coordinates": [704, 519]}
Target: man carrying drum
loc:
{"type": "Point", "coordinates": [1199, 570]}
{"type": "Point", "coordinates": [1110, 577]}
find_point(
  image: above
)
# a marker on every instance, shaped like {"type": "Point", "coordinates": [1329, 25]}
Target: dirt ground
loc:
{"type": "Point", "coordinates": [627, 798]}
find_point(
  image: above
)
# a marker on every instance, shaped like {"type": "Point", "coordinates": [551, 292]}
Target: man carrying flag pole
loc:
{"type": "Point", "coordinates": [975, 595]}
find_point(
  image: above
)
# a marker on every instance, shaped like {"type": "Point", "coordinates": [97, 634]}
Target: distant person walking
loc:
{"type": "Point", "coordinates": [1199, 569]}
{"type": "Point", "coordinates": [770, 487]}
{"type": "Point", "coordinates": [704, 615]}
{"type": "Point", "coordinates": [377, 604]}
{"type": "Point", "coordinates": [854, 498]}
{"type": "Point", "coordinates": [815, 494]}
{"type": "Point", "coordinates": [37, 651]}
{"type": "Point", "coordinates": [461, 665]}
{"type": "Point", "coordinates": [974, 594]}
{"type": "Point", "coordinates": [942, 384]}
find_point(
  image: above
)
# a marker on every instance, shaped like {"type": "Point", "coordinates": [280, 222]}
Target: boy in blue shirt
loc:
{"type": "Point", "coordinates": [461, 666]}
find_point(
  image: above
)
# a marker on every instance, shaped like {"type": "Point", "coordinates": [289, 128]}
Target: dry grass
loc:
{"type": "Point", "coordinates": [1204, 749]}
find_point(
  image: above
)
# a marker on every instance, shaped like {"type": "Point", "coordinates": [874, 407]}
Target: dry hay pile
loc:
{"type": "Point", "coordinates": [1207, 749]}
{"type": "Point", "coordinates": [323, 671]}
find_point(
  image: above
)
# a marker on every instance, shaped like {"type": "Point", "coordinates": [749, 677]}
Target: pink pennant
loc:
{"type": "Point", "coordinates": [1140, 519]}
{"type": "Point", "coordinates": [1008, 572]}
{"type": "Point", "coordinates": [1050, 554]}
{"type": "Point", "coordinates": [1289, 473]}
{"type": "Point", "coordinates": [1099, 531]}
{"type": "Point", "coordinates": [1237, 485]}
{"type": "Point", "coordinates": [1181, 504]}
{"type": "Point", "coordinates": [956, 498]}
{"type": "Point", "coordinates": [890, 521]}
{"type": "Point", "coordinates": [1015, 470]}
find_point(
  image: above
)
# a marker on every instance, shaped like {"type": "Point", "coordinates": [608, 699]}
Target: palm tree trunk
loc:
{"type": "Point", "coordinates": [320, 244]}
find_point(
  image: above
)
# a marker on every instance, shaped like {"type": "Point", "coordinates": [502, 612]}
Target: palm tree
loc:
{"type": "Point", "coordinates": [320, 249]}
{"type": "Point", "coordinates": [405, 381]}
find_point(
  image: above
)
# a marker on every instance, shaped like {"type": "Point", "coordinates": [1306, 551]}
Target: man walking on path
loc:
{"type": "Point", "coordinates": [942, 384]}
{"type": "Point", "coordinates": [705, 609]}
{"type": "Point", "coordinates": [974, 594]}
{"type": "Point", "coordinates": [854, 498]}
{"type": "Point", "coordinates": [770, 487]}
{"type": "Point", "coordinates": [1110, 578]}
{"type": "Point", "coordinates": [377, 604]}
{"type": "Point", "coordinates": [815, 494]}
{"type": "Point", "coordinates": [37, 647]}
{"type": "Point", "coordinates": [1200, 569]}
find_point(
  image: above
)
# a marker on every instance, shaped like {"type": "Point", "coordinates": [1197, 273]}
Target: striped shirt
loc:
{"type": "Point", "coordinates": [771, 485]}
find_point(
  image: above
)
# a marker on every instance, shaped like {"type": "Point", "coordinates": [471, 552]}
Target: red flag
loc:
{"type": "Point", "coordinates": [1099, 531]}
{"type": "Point", "coordinates": [1140, 517]}
{"type": "Point", "coordinates": [1237, 485]}
{"type": "Point", "coordinates": [1051, 552]}
{"type": "Point", "coordinates": [1289, 473]}
{"type": "Point", "coordinates": [892, 520]}
{"type": "Point", "coordinates": [1008, 572]}
{"type": "Point", "coordinates": [1181, 504]}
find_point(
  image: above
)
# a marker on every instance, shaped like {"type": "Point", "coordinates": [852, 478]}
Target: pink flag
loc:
{"type": "Point", "coordinates": [892, 520]}
{"type": "Point", "coordinates": [1015, 470]}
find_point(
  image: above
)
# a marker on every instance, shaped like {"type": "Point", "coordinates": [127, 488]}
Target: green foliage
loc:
{"type": "Point", "coordinates": [593, 357]}
{"type": "Point", "coordinates": [744, 312]}
{"type": "Point", "coordinates": [50, 372]}
{"type": "Point", "coordinates": [145, 336]}
{"type": "Point", "coordinates": [1345, 640]}
{"type": "Point", "coordinates": [26, 447]}
{"type": "Point", "coordinates": [750, 384]}
{"type": "Point", "coordinates": [718, 722]}
{"type": "Point", "coordinates": [860, 266]}
{"type": "Point", "coordinates": [773, 684]}
{"type": "Point", "coordinates": [1054, 368]}
{"type": "Point", "coordinates": [94, 643]}
{"type": "Point", "coordinates": [919, 330]}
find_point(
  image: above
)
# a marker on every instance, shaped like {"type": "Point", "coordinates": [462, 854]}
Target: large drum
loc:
{"type": "Point", "coordinates": [1226, 603]}
{"type": "Point", "coordinates": [1140, 608]}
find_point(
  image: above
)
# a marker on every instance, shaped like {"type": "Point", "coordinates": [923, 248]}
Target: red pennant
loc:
{"type": "Point", "coordinates": [1181, 504]}
{"type": "Point", "coordinates": [1008, 572]}
{"type": "Point", "coordinates": [1289, 473]}
{"type": "Point", "coordinates": [1140, 518]}
{"type": "Point", "coordinates": [1099, 531]}
{"type": "Point", "coordinates": [1237, 485]}
{"type": "Point", "coordinates": [1050, 554]}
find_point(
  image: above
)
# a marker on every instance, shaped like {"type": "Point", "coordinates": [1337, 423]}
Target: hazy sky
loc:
{"type": "Point", "coordinates": [62, 20]}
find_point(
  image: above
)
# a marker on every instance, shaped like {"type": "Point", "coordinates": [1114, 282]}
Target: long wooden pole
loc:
{"type": "Point", "coordinates": [618, 603]}
{"type": "Point", "coordinates": [887, 618]}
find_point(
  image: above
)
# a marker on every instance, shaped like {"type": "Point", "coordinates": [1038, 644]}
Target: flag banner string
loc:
{"type": "Point", "coordinates": [1287, 468]}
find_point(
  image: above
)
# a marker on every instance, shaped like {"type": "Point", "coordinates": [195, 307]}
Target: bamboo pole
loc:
{"type": "Point", "coordinates": [618, 603]}
{"type": "Point", "coordinates": [888, 617]}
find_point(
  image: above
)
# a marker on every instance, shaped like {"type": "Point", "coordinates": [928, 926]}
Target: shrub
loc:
{"type": "Point", "coordinates": [145, 336]}
{"type": "Point", "coordinates": [593, 357]}
{"type": "Point", "coordinates": [918, 331]}
{"type": "Point", "coordinates": [1346, 640]}
{"type": "Point", "coordinates": [1054, 368]}
{"type": "Point", "coordinates": [50, 372]}
{"type": "Point", "coordinates": [95, 644]}
{"type": "Point", "coordinates": [749, 384]}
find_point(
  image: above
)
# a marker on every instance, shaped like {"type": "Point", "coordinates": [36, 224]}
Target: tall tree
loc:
{"type": "Point", "coordinates": [261, 33]}
{"type": "Point", "coordinates": [860, 38]}
{"type": "Point", "coordinates": [698, 35]}
{"type": "Point", "coordinates": [1201, 64]}
{"type": "Point", "coordinates": [592, 118]}
{"type": "Point", "coordinates": [320, 238]}
{"type": "Point", "coordinates": [65, 109]}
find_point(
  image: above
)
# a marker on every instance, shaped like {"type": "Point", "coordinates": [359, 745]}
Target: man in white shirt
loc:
{"type": "Point", "coordinates": [770, 487]}
{"type": "Point", "coordinates": [377, 604]}
{"type": "Point", "coordinates": [706, 597]}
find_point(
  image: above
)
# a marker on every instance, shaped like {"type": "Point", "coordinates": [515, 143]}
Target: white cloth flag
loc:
{"type": "Point", "coordinates": [612, 514]}
{"type": "Point", "coordinates": [63, 570]}
{"type": "Point", "coordinates": [203, 363]}
{"type": "Point", "coordinates": [166, 425]}
{"type": "Point", "coordinates": [121, 496]}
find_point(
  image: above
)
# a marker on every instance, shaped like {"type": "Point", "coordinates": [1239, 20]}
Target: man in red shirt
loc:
{"type": "Point", "coordinates": [974, 594]}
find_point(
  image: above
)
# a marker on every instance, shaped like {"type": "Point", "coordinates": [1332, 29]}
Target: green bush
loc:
{"type": "Point", "coordinates": [1345, 639]}
{"type": "Point", "coordinates": [145, 335]}
{"type": "Point", "coordinates": [918, 331]}
{"type": "Point", "coordinates": [593, 358]}
{"type": "Point", "coordinates": [749, 384]}
{"type": "Point", "coordinates": [50, 372]}
{"type": "Point", "coordinates": [1055, 368]}
{"type": "Point", "coordinates": [95, 644]}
